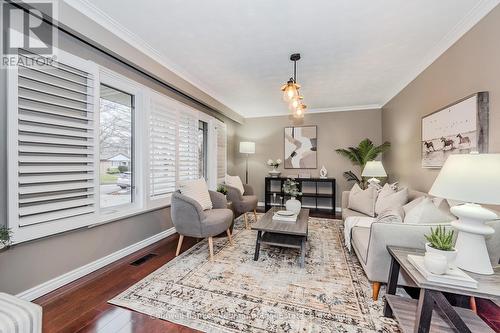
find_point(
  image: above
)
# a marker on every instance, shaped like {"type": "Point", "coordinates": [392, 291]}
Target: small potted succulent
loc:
{"type": "Point", "coordinates": [291, 188]}
{"type": "Point", "coordinates": [222, 189]}
{"type": "Point", "coordinates": [5, 237]}
{"type": "Point", "coordinates": [274, 164]}
{"type": "Point", "coordinates": [440, 242]}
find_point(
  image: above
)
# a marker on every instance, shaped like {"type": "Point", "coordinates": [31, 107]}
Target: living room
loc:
{"type": "Point", "coordinates": [250, 166]}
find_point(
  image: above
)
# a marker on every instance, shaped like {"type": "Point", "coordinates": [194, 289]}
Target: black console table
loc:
{"type": "Point", "coordinates": [318, 194]}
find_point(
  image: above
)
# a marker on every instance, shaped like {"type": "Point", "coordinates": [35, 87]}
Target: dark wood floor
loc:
{"type": "Point", "coordinates": [82, 305]}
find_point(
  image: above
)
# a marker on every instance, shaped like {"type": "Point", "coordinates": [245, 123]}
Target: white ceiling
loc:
{"type": "Point", "coordinates": [356, 54]}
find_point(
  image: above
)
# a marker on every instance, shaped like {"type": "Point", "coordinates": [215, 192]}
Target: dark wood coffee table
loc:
{"type": "Point", "coordinates": [281, 233]}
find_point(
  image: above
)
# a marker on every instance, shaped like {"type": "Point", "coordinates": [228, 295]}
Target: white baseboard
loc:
{"type": "Point", "coordinates": [261, 204]}
{"type": "Point", "coordinates": [57, 282]}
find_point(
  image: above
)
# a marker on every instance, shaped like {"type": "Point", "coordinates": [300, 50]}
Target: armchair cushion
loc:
{"type": "Point", "coordinates": [196, 190]}
{"type": "Point", "coordinates": [235, 182]}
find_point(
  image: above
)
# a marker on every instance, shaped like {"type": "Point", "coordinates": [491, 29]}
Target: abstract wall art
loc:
{"type": "Point", "coordinates": [458, 128]}
{"type": "Point", "coordinates": [301, 147]}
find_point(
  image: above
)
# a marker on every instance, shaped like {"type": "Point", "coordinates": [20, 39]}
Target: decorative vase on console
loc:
{"type": "Point", "coordinates": [275, 173]}
{"type": "Point", "coordinates": [291, 188]}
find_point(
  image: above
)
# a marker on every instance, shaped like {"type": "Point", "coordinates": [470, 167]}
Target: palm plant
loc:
{"type": "Point", "coordinates": [365, 151]}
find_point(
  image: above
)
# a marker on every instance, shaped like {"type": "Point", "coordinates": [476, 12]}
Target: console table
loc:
{"type": "Point", "coordinates": [318, 194]}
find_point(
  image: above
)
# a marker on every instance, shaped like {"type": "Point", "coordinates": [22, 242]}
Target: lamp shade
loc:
{"type": "Point", "coordinates": [374, 169]}
{"type": "Point", "coordinates": [247, 147]}
{"type": "Point", "coordinates": [473, 178]}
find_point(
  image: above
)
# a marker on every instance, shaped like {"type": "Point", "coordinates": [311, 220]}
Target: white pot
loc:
{"type": "Point", "coordinates": [451, 256]}
{"type": "Point", "coordinates": [274, 173]}
{"type": "Point", "coordinates": [435, 263]}
{"type": "Point", "coordinates": [293, 205]}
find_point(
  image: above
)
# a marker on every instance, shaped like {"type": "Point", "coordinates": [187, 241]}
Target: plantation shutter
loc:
{"type": "Point", "coordinates": [55, 141]}
{"type": "Point", "coordinates": [221, 151]}
{"type": "Point", "coordinates": [163, 142]}
{"type": "Point", "coordinates": [188, 145]}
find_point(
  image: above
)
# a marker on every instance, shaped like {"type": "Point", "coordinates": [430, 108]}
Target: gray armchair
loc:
{"type": "Point", "coordinates": [191, 220]}
{"type": "Point", "coordinates": [243, 203]}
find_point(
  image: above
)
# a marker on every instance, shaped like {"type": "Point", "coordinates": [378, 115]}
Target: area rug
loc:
{"type": "Point", "coordinates": [237, 294]}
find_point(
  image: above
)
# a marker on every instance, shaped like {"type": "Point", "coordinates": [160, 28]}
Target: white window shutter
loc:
{"type": "Point", "coordinates": [221, 151]}
{"type": "Point", "coordinates": [188, 144]}
{"type": "Point", "coordinates": [54, 133]}
{"type": "Point", "coordinates": [163, 142]}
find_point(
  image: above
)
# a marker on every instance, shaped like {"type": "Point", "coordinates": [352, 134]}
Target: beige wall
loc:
{"type": "Point", "coordinates": [469, 66]}
{"type": "Point", "coordinates": [335, 130]}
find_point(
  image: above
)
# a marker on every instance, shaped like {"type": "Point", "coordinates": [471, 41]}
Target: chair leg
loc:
{"type": "Point", "coordinates": [255, 214]}
{"type": "Point", "coordinates": [211, 248]}
{"type": "Point", "coordinates": [228, 231]}
{"type": "Point", "coordinates": [179, 245]}
{"type": "Point", "coordinates": [376, 289]}
{"type": "Point", "coordinates": [246, 220]}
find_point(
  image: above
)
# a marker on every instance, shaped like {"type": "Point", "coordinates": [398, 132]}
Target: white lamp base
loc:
{"type": "Point", "coordinates": [471, 247]}
{"type": "Point", "coordinates": [373, 181]}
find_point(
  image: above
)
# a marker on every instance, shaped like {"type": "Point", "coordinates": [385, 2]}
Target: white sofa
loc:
{"type": "Point", "coordinates": [370, 244]}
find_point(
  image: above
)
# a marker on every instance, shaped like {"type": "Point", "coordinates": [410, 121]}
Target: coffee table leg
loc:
{"type": "Point", "coordinates": [302, 252]}
{"type": "Point", "coordinates": [392, 284]}
{"type": "Point", "coordinates": [257, 246]}
{"type": "Point", "coordinates": [424, 312]}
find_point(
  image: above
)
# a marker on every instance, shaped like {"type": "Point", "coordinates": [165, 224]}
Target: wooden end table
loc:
{"type": "Point", "coordinates": [417, 316]}
{"type": "Point", "coordinates": [281, 233]}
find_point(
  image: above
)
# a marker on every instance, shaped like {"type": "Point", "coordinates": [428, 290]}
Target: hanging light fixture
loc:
{"type": "Point", "coordinates": [291, 93]}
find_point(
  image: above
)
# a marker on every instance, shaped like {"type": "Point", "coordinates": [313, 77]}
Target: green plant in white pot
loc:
{"type": "Point", "coordinates": [291, 188]}
{"type": "Point", "coordinates": [5, 237]}
{"type": "Point", "coordinates": [440, 241]}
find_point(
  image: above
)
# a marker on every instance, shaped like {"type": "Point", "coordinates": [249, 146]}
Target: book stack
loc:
{"type": "Point", "coordinates": [453, 277]}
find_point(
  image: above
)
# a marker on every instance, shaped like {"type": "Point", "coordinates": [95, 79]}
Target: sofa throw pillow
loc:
{"type": "Point", "coordinates": [235, 181]}
{"type": "Point", "coordinates": [388, 198]}
{"type": "Point", "coordinates": [410, 205]}
{"type": "Point", "coordinates": [196, 190]}
{"type": "Point", "coordinates": [363, 201]}
{"type": "Point", "coordinates": [426, 212]}
{"type": "Point", "coordinates": [390, 216]}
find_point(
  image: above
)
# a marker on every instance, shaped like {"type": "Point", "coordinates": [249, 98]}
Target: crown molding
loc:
{"type": "Point", "coordinates": [478, 12]}
{"type": "Point", "coordinates": [103, 19]}
{"type": "Point", "coordinates": [323, 110]}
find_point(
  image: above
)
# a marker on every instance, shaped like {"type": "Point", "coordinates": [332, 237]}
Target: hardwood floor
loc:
{"type": "Point", "coordinates": [82, 306]}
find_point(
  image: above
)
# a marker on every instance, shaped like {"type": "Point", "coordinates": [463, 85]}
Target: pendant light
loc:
{"type": "Point", "coordinates": [291, 93]}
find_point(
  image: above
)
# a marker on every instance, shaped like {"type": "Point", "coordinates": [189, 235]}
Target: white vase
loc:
{"type": "Point", "coordinates": [435, 263]}
{"type": "Point", "coordinates": [451, 256]}
{"type": "Point", "coordinates": [274, 172]}
{"type": "Point", "coordinates": [293, 205]}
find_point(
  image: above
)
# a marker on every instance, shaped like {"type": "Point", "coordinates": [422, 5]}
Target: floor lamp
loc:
{"type": "Point", "coordinates": [247, 148]}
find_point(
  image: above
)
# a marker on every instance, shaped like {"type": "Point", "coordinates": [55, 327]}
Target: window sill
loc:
{"type": "Point", "coordinates": [124, 215]}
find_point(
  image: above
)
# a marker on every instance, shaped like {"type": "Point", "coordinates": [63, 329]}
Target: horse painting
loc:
{"type": "Point", "coordinates": [463, 139]}
{"type": "Point", "coordinates": [448, 143]}
{"type": "Point", "coordinates": [429, 145]}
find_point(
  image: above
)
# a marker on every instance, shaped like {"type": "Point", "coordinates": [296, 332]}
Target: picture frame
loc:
{"type": "Point", "coordinates": [301, 147]}
{"type": "Point", "coordinates": [458, 128]}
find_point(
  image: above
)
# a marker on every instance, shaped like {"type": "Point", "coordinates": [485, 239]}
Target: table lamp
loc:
{"type": "Point", "coordinates": [374, 169]}
{"type": "Point", "coordinates": [247, 148]}
{"type": "Point", "coordinates": [474, 179]}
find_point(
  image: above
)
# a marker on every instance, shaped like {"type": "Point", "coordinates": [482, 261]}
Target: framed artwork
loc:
{"type": "Point", "coordinates": [301, 147]}
{"type": "Point", "coordinates": [458, 128]}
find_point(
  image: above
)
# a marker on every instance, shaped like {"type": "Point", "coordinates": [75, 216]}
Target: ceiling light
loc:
{"type": "Point", "coordinates": [290, 90]}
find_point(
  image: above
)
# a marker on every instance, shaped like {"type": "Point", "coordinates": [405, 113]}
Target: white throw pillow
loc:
{"type": "Point", "coordinates": [390, 216]}
{"type": "Point", "coordinates": [363, 201]}
{"type": "Point", "coordinates": [235, 181]}
{"type": "Point", "coordinates": [426, 212]}
{"type": "Point", "coordinates": [388, 198]}
{"type": "Point", "coordinates": [196, 190]}
{"type": "Point", "coordinates": [410, 205]}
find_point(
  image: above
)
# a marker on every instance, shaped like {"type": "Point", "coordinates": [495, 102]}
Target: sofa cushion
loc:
{"type": "Point", "coordinates": [389, 198]}
{"type": "Point", "coordinates": [235, 181]}
{"type": "Point", "coordinates": [346, 212]}
{"type": "Point", "coordinates": [196, 190]}
{"type": "Point", "coordinates": [360, 240]}
{"type": "Point", "coordinates": [391, 215]}
{"type": "Point", "coordinates": [363, 201]}
{"type": "Point", "coordinates": [426, 212]}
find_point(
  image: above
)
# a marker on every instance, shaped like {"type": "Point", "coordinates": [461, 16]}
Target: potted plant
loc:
{"type": "Point", "coordinates": [365, 151]}
{"type": "Point", "coordinates": [222, 189]}
{"type": "Point", "coordinates": [5, 237]}
{"type": "Point", "coordinates": [440, 241]}
{"type": "Point", "coordinates": [291, 188]}
{"type": "Point", "coordinates": [274, 164]}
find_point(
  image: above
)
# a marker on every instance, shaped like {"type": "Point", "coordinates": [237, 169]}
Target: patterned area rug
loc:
{"type": "Point", "coordinates": [237, 294]}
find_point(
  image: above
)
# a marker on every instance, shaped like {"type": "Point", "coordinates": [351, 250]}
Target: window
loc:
{"type": "Point", "coordinates": [221, 151]}
{"type": "Point", "coordinates": [116, 110]}
{"type": "Point", "coordinates": [187, 148]}
{"type": "Point", "coordinates": [202, 148]}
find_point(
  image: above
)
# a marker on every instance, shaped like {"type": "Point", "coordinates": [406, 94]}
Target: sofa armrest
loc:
{"type": "Point", "coordinates": [392, 234]}
{"type": "Point", "coordinates": [248, 189]}
{"type": "Point", "coordinates": [218, 200]}
{"type": "Point", "coordinates": [345, 199]}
